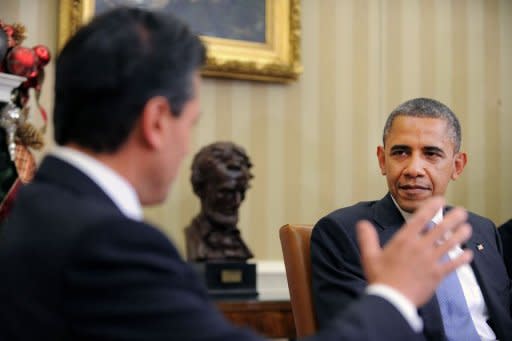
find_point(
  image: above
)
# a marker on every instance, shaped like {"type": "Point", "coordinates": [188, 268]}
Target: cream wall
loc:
{"type": "Point", "coordinates": [313, 142]}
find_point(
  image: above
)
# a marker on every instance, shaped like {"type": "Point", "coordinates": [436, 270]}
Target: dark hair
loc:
{"type": "Point", "coordinates": [429, 108]}
{"type": "Point", "coordinates": [111, 67]}
{"type": "Point", "coordinates": [225, 157]}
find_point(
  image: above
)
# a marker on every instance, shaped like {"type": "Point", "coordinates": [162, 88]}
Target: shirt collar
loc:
{"type": "Point", "coordinates": [406, 215]}
{"type": "Point", "coordinates": [115, 186]}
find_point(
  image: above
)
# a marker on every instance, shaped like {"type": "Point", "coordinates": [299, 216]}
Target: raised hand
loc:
{"type": "Point", "coordinates": [410, 261]}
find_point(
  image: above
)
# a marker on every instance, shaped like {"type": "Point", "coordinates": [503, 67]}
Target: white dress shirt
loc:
{"type": "Point", "coordinates": [115, 186]}
{"type": "Point", "coordinates": [471, 289]}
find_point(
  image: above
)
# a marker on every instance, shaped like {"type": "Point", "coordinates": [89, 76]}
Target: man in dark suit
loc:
{"type": "Point", "coordinates": [420, 155]}
{"type": "Point", "coordinates": [506, 236]}
{"type": "Point", "coordinates": [77, 262]}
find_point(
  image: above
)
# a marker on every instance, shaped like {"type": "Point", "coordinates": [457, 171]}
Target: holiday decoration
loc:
{"type": "Point", "coordinates": [21, 69]}
{"type": "Point", "coordinates": [21, 61]}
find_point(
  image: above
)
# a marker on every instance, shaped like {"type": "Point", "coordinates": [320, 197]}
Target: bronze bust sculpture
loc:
{"type": "Point", "coordinates": [220, 178]}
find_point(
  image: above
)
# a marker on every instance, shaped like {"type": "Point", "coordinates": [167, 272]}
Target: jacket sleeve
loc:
{"type": "Point", "coordinates": [368, 318]}
{"type": "Point", "coordinates": [127, 282]}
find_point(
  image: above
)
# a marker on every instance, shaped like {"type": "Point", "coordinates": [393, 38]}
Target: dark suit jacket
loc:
{"type": "Point", "coordinates": [506, 236]}
{"type": "Point", "coordinates": [338, 277]}
{"type": "Point", "coordinates": [72, 267]}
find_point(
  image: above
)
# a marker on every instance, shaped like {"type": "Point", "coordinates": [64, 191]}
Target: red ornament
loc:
{"type": "Point", "coordinates": [22, 61]}
{"type": "Point", "coordinates": [43, 54]}
{"type": "Point", "coordinates": [31, 82]}
{"type": "Point", "coordinates": [35, 81]}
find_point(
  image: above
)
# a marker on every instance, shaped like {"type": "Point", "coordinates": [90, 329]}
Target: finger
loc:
{"type": "Point", "coordinates": [423, 216]}
{"type": "Point", "coordinates": [451, 222]}
{"type": "Point", "coordinates": [458, 237]}
{"type": "Point", "coordinates": [368, 244]}
{"type": "Point", "coordinates": [452, 264]}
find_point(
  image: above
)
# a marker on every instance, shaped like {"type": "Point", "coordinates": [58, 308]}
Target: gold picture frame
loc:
{"type": "Point", "coordinates": [275, 60]}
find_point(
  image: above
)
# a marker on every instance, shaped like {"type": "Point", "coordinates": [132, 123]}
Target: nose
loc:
{"type": "Point", "coordinates": [415, 167]}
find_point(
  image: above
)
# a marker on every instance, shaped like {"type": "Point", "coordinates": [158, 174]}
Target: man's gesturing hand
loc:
{"type": "Point", "coordinates": [411, 261]}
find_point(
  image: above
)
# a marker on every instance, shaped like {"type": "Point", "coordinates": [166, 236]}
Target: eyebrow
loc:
{"type": "Point", "coordinates": [400, 147]}
{"type": "Point", "coordinates": [430, 149]}
{"type": "Point", "coordinates": [433, 149]}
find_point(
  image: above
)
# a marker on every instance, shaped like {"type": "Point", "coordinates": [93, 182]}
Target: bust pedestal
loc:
{"type": "Point", "coordinates": [228, 280]}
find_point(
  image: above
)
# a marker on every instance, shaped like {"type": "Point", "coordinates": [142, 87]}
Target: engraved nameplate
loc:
{"type": "Point", "coordinates": [231, 276]}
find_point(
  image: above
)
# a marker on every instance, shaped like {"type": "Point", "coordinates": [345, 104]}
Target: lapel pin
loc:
{"type": "Point", "coordinates": [480, 247]}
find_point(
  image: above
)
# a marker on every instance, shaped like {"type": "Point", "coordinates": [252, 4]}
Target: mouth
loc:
{"type": "Point", "coordinates": [414, 189]}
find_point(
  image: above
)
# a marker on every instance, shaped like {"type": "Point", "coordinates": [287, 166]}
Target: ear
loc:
{"type": "Point", "coordinates": [153, 121]}
{"type": "Point", "coordinates": [459, 163]}
{"type": "Point", "coordinates": [381, 156]}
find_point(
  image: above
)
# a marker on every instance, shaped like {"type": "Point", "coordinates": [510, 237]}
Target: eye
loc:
{"type": "Point", "coordinates": [433, 154]}
{"type": "Point", "coordinates": [399, 153]}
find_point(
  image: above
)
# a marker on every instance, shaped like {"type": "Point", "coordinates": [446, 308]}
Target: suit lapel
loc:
{"type": "Point", "coordinates": [484, 267]}
{"type": "Point", "coordinates": [387, 218]}
{"type": "Point", "coordinates": [477, 243]}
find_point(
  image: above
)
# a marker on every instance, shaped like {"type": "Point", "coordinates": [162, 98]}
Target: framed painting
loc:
{"type": "Point", "coordinates": [246, 39]}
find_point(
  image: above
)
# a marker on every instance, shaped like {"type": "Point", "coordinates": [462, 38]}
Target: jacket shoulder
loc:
{"type": "Point", "coordinates": [480, 219]}
{"type": "Point", "coordinates": [349, 215]}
